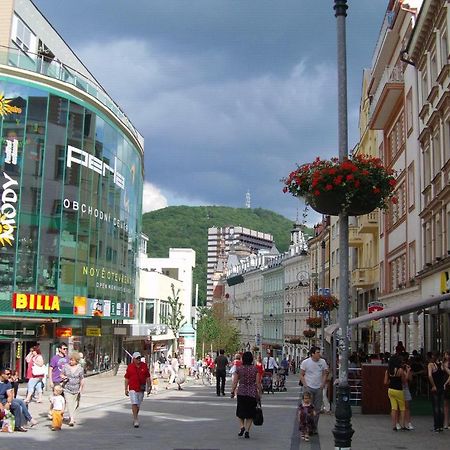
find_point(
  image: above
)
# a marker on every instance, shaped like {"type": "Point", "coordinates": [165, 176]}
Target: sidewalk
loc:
{"type": "Point", "coordinates": [175, 419]}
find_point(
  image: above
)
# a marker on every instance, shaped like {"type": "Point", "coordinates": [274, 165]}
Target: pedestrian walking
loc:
{"type": "Point", "coordinates": [137, 381]}
{"type": "Point", "coordinates": [247, 385]}
{"type": "Point", "coordinates": [269, 362]}
{"type": "Point", "coordinates": [57, 406]}
{"type": "Point", "coordinates": [72, 376]}
{"type": "Point", "coordinates": [313, 376]}
{"type": "Point", "coordinates": [437, 376]}
{"type": "Point", "coordinates": [35, 373]}
{"type": "Point", "coordinates": [55, 366]}
{"type": "Point", "coordinates": [221, 363]}
{"type": "Point", "coordinates": [395, 378]}
{"type": "Point", "coordinates": [237, 362]}
{"type": "Point", "coordinates": [447, 390]}
{"type": "Point", "coordinates": [306, 414]}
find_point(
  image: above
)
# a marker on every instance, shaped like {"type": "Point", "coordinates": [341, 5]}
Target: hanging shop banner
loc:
{"type": "Point", "coordinates": [8, 211]}
{"type": "Point", "coordinates": [63, 332]}
{"type": "Point", "coordinates": [93, 331]}
{"type": "Point", "coordinates": [95, 307]}
{"type": "Point", "coordinates": [79, 306]}
{"type": "Point", "coordinates": [35, 302]}
{"type": "Point", "coordinates": [445, 283]}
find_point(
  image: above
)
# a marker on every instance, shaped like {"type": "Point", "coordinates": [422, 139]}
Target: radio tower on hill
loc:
{"type": "Point", "coordinates": [248, 200]}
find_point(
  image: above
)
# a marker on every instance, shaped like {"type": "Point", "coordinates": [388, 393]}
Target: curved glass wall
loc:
{"type": "Point", "coordinates": [70, 206]}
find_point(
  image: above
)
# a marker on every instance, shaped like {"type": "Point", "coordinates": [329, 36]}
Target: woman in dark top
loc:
{"type": "Point", "coordinates": [437, 376]}
{"type": "Point", "coordinates": [395, 378]}
{"type": "Point", "coordinates": [247, 379]}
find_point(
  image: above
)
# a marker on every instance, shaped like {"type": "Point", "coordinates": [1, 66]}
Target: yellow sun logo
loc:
{"type": "Point", "coordinates": [6, 108]}
{"type": "Point", "coordinates": [6, 231]}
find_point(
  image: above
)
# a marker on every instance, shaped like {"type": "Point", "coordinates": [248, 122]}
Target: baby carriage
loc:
{"type": "Point", "coordinates": [280, 381]}
{"type": "Point", "coordinates": [267, 382]}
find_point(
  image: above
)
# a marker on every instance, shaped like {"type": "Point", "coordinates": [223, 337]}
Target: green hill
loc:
{"type": "Point", "coordinates": [187, 226]}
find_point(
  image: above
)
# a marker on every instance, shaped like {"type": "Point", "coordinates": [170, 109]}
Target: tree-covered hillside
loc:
{"type": "Point", "coordinates": [187, 226]}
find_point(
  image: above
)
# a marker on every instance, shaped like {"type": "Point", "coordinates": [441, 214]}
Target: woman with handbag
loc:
{"type": "Point", "coordinates": [72, 376]}
{"type": "Point", "coordinates": [247, 383]}
{"type": "Point", "coordinates": [36, 371]}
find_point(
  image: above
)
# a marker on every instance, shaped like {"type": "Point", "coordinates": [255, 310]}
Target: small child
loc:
{"type": "Point", "coordinates": [58, 405]}
{"type": "Point", "coordinates": [306, 415]}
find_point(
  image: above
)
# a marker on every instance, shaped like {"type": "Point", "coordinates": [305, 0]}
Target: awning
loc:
{"type": "Point", "coordinates": [397, 310]}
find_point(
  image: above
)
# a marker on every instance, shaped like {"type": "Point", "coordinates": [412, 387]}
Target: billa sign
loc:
{"type": "Point", "coordinates": [35, 302]}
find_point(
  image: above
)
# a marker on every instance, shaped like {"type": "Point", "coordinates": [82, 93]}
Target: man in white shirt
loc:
{"type": "Point", "coordinates": [313, 376]}
{"type": "Point", "coordinates": [269, 363]}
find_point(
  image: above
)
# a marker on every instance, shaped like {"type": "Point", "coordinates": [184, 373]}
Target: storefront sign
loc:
{"type": "Point", "coordinates": [375, 306]}
{"type": "Point", "coordinates": [23, 331]}
{"type": "Point", "coordinates": [35, 302]}
{"type": "Point", "coordinates": [79, 305]}
{"type": "Point", "coordinates": [77, 156]}
{"type": "Point", "coordinates": [8, 211]}
{"type": "Point", "coordinates": [63, 332]}
{"type": "Point", "coordinates": [6, 108]}
{"type": "Point", "coordinates": [93, 331]}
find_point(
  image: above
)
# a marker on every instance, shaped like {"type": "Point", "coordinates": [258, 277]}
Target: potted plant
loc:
{"type": "Point", "coordinates": [255, 348]}
{"type": "Point", "coordinates": [309, 333]}
{"type": "Point", "coordinates": [323, 302]}
{"type": "Point", "coordinates": [357, 185]}
{"type": "Point", "coordinates": [314, 322]}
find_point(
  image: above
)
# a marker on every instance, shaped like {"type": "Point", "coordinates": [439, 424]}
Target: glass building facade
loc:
{"type": "Point", "coordinates": [71, 194]}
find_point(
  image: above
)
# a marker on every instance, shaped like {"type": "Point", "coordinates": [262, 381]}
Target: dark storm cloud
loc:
{"type": "Point", "coordinates": [229, 94]}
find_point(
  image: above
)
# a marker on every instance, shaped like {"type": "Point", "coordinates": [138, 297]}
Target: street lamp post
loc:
{"type": "Point", "coordinates": [342, 431]}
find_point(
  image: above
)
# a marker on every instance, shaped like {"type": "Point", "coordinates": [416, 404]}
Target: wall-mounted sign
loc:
{"type": "Point", "coordinates": [79, 305]}
{"type": "Point", "coordinates": [77, 156]}
{"type": "Point", "coordinates": [93, 331]}
{"type": "Point", "coordinates": [8, 210]}
{"type": "Point", "coordinates": [63, 332]}
{"type": "Point", "coordinates": [6, 108]}
{"type": "Point", "coordinates": [375, 306]}
{"type": "Point", "coordinates": [35, 302]}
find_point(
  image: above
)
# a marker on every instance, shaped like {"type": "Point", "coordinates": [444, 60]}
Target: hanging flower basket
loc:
{"type": "Point", "coordinates": [309, 333]}
{"type": "Point", "coordinates": [314, 322]}
{"type": "Point", "coordinates": [276, 347]}
{"type": "Point", "coordinates": [323, 302]}
{"type": "Point", "coordinates": [295, 340]}
{"type": "Point", "coordinates": [355, 186]}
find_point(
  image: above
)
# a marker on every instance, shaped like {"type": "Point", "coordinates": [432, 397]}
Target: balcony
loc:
{"type": "Point", "coordinates": [368, 223]}
{"type": "Point", "coordinates": [354, 239]}
{"type": "Point", "coordinates": [364, 277]}
{"type": "Point", "coordinates": [388, 92]}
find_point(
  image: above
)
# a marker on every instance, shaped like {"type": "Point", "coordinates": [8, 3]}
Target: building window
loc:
{"type": "Point", "coordinates": [446, 139]}
{"type": "Point", "coordinates": [436, 152]}
{"type": "Point", "coordinates": [397, 272]}
{"type": "Point", "coordinates": [444, 49]}
{"type": "Point", "coordinates": [427, 243]}
{"type": "Point", "coordinates": [22, 36]}
{"type": "Point", "coordinates": [424, 85]}
{"type": "Point", "coordinates": [426, 166]}
{"type": "Point", "coordinates": [398, 210]}
{"type": "Point", "coordinates": [433, 67]}
{"type": "Point", "coordinates": [396, 138]}
{"type": "Point", "coordinates": [411, 186]}
{"type": "Point", "coordinates": [409, 111]}
{"type": "Point", "coordinates": [437, 236]}
{"type": "Point", "coordinates": [412, 260]}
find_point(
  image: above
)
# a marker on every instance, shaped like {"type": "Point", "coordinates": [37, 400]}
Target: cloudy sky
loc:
{"type": "Point", "coordinates": [228, 94]}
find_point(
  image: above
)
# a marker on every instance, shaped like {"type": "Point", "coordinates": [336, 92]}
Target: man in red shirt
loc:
{"type": "Point", "coordinates": [137, 381]}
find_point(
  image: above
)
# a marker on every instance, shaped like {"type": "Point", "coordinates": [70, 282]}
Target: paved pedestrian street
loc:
{"type": "Point", "coordinates": [196, 418]}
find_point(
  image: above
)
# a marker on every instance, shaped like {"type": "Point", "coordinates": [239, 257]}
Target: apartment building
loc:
{"type": "Point", "coordinates": [428, 53]}
{"type": "Point", "coordinates": [220, 241]}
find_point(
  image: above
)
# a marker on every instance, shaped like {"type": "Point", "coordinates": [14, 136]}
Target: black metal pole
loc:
{"type": "Point", "coordinates": [342, 431]}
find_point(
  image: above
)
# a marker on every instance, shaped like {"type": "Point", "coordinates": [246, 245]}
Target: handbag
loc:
{"type": "Point", "coordinates": [258, 418]}
{"type": "Point", "coordinates": [38, 371]}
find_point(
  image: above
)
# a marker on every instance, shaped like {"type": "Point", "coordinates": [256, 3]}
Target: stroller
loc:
{"type": "Point", "coordinates": [267, 382]}
{"type": "Point", "coordinates": [280, 381]}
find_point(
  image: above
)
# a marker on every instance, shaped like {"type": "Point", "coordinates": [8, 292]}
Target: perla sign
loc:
{"type": "Point", "coordinates": [77, 156]}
